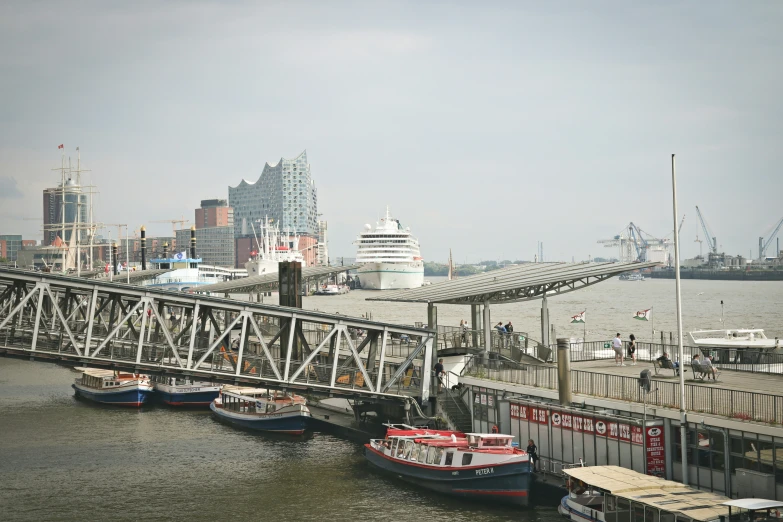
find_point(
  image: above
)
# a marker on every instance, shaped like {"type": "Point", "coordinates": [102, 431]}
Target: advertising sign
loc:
{"type": "Point", "coordinates": [656, 458]}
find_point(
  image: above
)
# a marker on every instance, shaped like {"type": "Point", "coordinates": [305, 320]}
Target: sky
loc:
{"type": "Point", "coordinates": [486, 127]}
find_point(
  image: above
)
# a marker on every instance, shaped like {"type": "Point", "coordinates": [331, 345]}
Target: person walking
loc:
{"type": "Point", "coordinates": [532, 451]}
{"type": "Point", "coordinates": [632, 349]}
{"type": "Point", "coordinates": [617, 345]}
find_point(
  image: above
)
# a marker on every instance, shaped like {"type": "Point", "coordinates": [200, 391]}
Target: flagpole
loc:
{"type": "Point", "coordinates": [683, 414]}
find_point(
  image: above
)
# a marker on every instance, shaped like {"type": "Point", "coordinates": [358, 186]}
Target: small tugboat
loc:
{"type": "Point", "coordinates": [184, 392]}
{"type": "Point", "coordinates": [112, 387]}
{"type": "Point", "coordinates": [262, 409]}
{"type": "Point", "coordinates": [472, 465]}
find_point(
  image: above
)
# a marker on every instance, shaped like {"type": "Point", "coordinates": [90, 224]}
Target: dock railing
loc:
{"type": "Point", "coordinates": [738, 404]}
{"type": "Point", "coordinates": [743, 360]}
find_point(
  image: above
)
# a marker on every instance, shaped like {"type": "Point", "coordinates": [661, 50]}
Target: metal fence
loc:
{"type": "Point", "coordinates": [743, 405]}
{"type": "Point", "coordinates": [743, 360]}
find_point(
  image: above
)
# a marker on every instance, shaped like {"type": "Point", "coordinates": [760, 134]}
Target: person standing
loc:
{"type": "Point", "coordinates": [509, 327]}
{"type": "Point", "coordinates": [617, 345]}
{"type": "Point", "coordinates": [532, 451]}
{"type": "Point", "coordinates": [500, 328]}
{"type": "Point", "coordinates": [439, 373]}
{"type": "Point", "coordinates": [632, 349]}
{"type": "Point", "coordinates": [463, 327]}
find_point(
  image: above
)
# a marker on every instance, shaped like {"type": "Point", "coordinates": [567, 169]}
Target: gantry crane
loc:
{"type": "Point", "coordinates": [638, 242]}
{"type": "Point", "coordinates": [712, 241]}
{"type": "Point", "coordinates": [763, 245]}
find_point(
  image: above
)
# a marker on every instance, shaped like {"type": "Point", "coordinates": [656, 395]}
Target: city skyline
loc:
{"type": "Point", "coordinates": [485, 128]}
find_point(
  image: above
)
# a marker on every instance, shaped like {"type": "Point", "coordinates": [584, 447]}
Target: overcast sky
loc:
{"type": "Point", "coordinates": [487, 126]}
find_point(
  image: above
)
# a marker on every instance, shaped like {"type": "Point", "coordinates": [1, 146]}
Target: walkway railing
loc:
{"type": "Point", "coordinates": [738, 404]}
{"type": "Point", "coordinates": [743, 360]}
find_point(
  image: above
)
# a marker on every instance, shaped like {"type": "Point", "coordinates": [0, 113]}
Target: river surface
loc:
{"type": "Point", "coordinates": [63, 459]}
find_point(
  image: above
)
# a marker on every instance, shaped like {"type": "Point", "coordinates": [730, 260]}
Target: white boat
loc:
{"type": "Point", "coordinates": [332, 290]}
{"type": "Point", "coordinates": [113, 387]}
{"type": "Point", "coordinates": [262, 409]}
{"type": "Point", "coordinates": [272, 248]}
{"type": "Point", "coordinates": [633, 276]}
{"type": "Point", "coordinates": [186, 273]}
{"type": "Point", "coordinates": [739, 338]}
{"type": "Point", "coordinates": [389, 256]}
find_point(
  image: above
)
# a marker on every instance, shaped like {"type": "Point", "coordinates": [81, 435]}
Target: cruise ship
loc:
{"type": "Point", "coordinates": [389, 256]}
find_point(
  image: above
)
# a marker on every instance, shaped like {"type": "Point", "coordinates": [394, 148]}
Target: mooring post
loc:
{"type": "Point", "coordinates": [564, 371]}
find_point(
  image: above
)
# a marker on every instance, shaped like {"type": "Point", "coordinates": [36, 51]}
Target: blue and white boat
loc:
{"type": "Point", "coordinates": [184, 392]}
{"type": "Point", "coordinates": [186, 274]}
{"type": "Point", "coordinates": [113, 387]}
{"type": "Point", "coordinates": [479, 466]}
{"type": "Point", "coordinates": [262, 409]}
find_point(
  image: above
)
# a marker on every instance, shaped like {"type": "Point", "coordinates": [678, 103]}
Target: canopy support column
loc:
{"type": "Point", "coordinates": [544, 322]}
{"type": "Point", "coordinates": [487, 328]}
{"type": "Point", "coordinates": [475, 322]}
{"type": "Point", "coordinates": [432, 324]}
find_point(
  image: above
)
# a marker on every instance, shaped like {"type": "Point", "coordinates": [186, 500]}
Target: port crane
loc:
{"type": "Point", "coordinates": [712, 241]}
{"type": "Point", "coordinates": [763, 245]}
{"type": "Point", "coordinates": [638, 242]}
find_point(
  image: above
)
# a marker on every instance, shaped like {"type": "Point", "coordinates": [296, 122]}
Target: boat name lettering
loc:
{"type": "Point", "coordinates": [485, 471]}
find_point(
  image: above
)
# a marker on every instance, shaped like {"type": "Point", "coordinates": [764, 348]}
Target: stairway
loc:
{"type": "Point", "coordinates": [455, 410]}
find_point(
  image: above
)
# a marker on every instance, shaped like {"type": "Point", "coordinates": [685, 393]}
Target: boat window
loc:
{"type": "Point", "coordinates": [400, 449]}
{"type": "Point", "coordinates": [415, 452]}
{"type": "Point", "coordinates": [651, 514]}
{"type": "Point", "coordinates": [449, 458]}
{"type": "Point", "coordinates": [394, 446]}
{"type": "Point", "coordinates": [408, 448]}
{"type": "Point", "coordinates": [438, 455]}
{"type": "Point", "coordinates": [467, 458]}
{"type": "Point", "coordinates": [667, 516]}
{"type": "Point", "coordinates": [637, 512]}
{"type": "Point", "coordinates": [431, 455]}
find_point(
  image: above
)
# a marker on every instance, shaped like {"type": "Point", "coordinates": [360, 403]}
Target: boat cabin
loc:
{"type": "Point", "coordinates": [256, 400]}
{"type": "Point", "coordinates": [107, 379]}
{"type": "Point", "coordinates": [615, 494]}
{"type": "Point", "coordinates": [439, 449]}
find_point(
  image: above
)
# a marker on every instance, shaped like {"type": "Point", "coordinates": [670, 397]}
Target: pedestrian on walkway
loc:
{"type": "Point", "coordinates": [439, 373]}
{"type": "Point", "coordinates": [500, 328]}
{"type": "Point", "coordinates": [632, 349]}
{"type": "Point", "coordinates": [509, 327]}
{"type": "Point", "coordinates": [617, 345]}
{"type": "Point", "coordinates": [532, 451]}
{"type": "Point", "coordinates": [463, 328]}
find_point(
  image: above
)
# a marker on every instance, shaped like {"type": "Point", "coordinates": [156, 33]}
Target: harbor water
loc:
{"type": "Point", "coordinates": [64, 459]}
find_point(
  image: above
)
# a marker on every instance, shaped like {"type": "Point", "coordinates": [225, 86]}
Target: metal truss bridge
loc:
{"type": "Point", "coordinates": [119, 326]}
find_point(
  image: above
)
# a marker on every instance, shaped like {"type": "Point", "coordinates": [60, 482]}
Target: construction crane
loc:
{"type": "Point", "coordinates": [763, 245]}
{"type": "Point", "coordinates": [182, 221]}
{"type": "Point", "coordinates": [635, 234]}
{"type": "Point", "coordinates": [712, 241]}
{"type": "Point", "coordinates": [682, 222]}
{"type": "Point", "coordinates": [699, 241]}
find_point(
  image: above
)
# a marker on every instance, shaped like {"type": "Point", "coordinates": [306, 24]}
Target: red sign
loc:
{"type": "Point", "coordinates": [656, 457]}
{"type": "Point", "coordinates": [538, 415]}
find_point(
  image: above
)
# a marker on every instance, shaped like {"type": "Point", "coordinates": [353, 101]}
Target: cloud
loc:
{"type": "Point", "coordinates": [8, 188]}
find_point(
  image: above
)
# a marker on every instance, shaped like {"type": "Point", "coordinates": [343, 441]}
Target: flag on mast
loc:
{"type": "Point", "coordinates": [60, 146]}
{"type": "Point", "coordinates": [579, 318]}
{"type": "Point", "coordinates": [644, 315]}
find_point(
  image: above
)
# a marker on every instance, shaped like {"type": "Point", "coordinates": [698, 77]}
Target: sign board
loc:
{"type": "Point", "coordinates": [656, 451]}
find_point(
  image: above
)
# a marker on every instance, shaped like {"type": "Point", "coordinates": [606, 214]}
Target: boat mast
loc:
{"type": "Point", "coordinates": [683, 414]}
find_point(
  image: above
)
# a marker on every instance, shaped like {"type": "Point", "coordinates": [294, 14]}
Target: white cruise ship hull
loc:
{"type": "Point", "coordinates": [391, 276]}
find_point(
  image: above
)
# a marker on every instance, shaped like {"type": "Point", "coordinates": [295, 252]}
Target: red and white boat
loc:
{"type": "Point", "coordinates": [470, 465]}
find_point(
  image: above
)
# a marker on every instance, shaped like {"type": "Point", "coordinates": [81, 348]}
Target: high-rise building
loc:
{"type": "Point", "coordinates": [322, 257]}
{"type": "Point", "coordinates": [284, 193]}
{"type": "Point", "coordinates": [214, 213]}
{"type": "Point", "coordinates": [13, 244]}
{"type": "Point", "coordinates": [214, 245]}
{"type": "Point", "coordinates": [76, 209]}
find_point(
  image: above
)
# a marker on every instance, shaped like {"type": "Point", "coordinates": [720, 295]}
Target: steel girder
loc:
{"type": "Point", "coordinates": [121, 326]}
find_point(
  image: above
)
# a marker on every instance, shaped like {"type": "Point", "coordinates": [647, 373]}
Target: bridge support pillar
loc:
{"type": "Point", "coordinates": [432, 324]}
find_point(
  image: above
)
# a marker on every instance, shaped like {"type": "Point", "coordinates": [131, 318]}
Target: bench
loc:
{"type": "Point", "coordinates": [700, 371]}
{"type": "Point", "coordinates": [665, 364]}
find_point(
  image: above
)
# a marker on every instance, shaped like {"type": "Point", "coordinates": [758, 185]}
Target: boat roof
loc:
{"type": "Point", "coordinates": [664, 494]}
{"type": "Point", "coordinates": [491, 435]}
{"type": "Point", "coordinates": [98, 372]}
{"type": "Point", "coordinates": [754, 503]}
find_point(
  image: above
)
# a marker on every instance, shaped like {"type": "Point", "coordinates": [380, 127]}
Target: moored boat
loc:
{"type": "Point", "coordinates": [601, 493]}
{"type": "Point", "coordinates": [262, 409]}
{"type": "Point", "coordinates": [736, 338]}
{"type": "Point", "coordinates": [184, 392]}
{"type": "Point", "coordinates": [113, 387]}
{"type": "Point", "coordinates": [473, 465]}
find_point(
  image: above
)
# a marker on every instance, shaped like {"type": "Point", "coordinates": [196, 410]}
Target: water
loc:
{"type": "Point", "coordinates": [63, 459]}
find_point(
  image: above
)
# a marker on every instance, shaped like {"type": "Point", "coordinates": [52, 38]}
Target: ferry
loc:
{"type": "Point", "coordinates": [389, 256]}
{"type": "Point", "coordinates": [184, 392]}
{"type": "Point", "coordinates": [112, 387]}
{"type": "Point", "coordinates": [332, 290]}
{"type": "Point", "coordinates": [633, 276]}
{"type": "Point", "coordinates": [186, 274]}
{"type": "Point", "coordinates": [610, 493]}
{"type": "Point", "coordinates": [469, 465]}
{"type": "Point", "coordinates": [262, 409]}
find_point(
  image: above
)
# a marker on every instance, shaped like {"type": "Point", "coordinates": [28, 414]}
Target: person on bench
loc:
{"type": "Point", "coordinates": [665, 362]}
{"type": "Point", "coordinates": [706, 367]}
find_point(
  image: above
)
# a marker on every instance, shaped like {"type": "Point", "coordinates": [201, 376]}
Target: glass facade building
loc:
{"type": "Point", "coordinates": [284, 193]}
